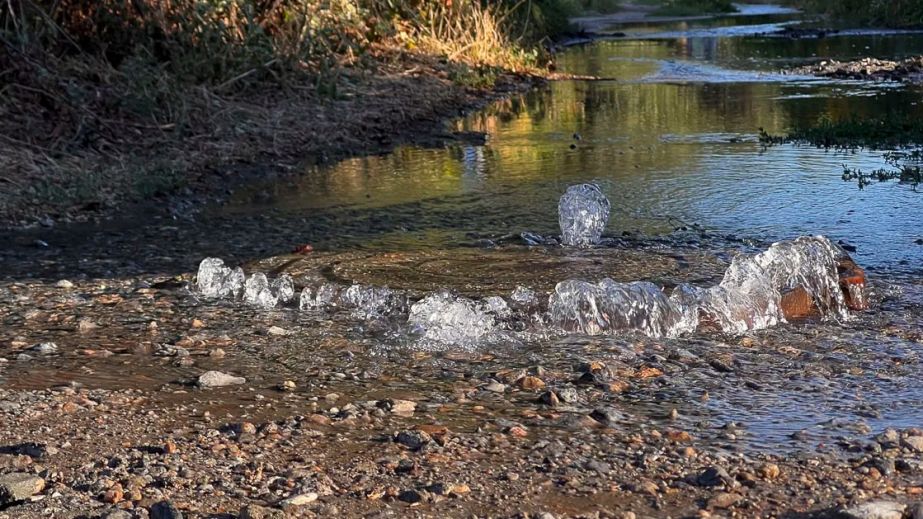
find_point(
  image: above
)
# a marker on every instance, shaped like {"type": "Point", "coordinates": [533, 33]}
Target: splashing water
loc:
{"type": "Point", "coordinates": [445, 319]}
{"type": "Point", "coordinates": [215, 280]}
{"type": "Point", "coordinates": [257, 291]}
{"type": "Point", "coordinates": [750, 296]}
{"type": "Point", "coordinates": [582, 214]}
{"type": "Point", "coordinates": [371, 301]}
{"type": "Point", "coordinates": [593, 309]}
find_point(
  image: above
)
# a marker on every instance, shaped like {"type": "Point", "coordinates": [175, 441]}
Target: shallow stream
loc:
{"type": "Point", "coordinates": [671, 137]}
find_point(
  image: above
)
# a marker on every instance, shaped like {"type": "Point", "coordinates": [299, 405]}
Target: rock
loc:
{"type": "Point", "coordinates": [260, 512]}
{"type": "Point", "coordinates": [64, 283]}
{"type": "Point", "coordinates": [288, 385]}
{"type": "Point", "coordinates": [400, 407]}
{"type": "Point", "coordinates": [300, 499]}
{"type": "Point", "coordinates": [724, 500]}
{"type": "Point", "coordinates": [19, 486]}
{"type": "Point", "coordinates": [413, 440]}
{"type": "Point", "coordinates": [219, 379]}
{"type": "Point", "coordinates": [914, 443]}
{"type": "Point", "coordinates": [879, 509]}
{"type": "Point", "coordinates": [165, 510]}
{"type": "Point", "coordinates": [916, 511]}
{"type": "Point", "coordinates": [45, 348]}
{"type": "Point", "coordinates": [117, 514]}
{"type": "Point", "coordinates": [607, 415]}
{"type": "Point", "coordinates": [713, 476]}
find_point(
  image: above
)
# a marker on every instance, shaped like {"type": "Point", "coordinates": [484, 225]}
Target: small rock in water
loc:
{"type": "Point", "coordinates": [583, 212]}
{"type": "Point", "coordinates": [880, 509]}
{"type": "Point", "coordinates": [219, 379]}
{"type": "Point", "coordinates": [19, 486]}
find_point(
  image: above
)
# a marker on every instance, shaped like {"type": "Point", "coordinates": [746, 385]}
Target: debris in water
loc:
{"type": "Point", "coordinates": [582, 214]}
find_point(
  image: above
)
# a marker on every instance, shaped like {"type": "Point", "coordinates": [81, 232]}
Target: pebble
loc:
{"type": "Point", "coordinates": [45, 348]}
{"type": "Point", "coordinates": [219, 379]}
{"type": "Point", "coordinates": [875, 510]}
{"type": "Point", "coordinates": [914, 443]}
{"type": "Point", "coordinates": [19, 486]}
{"type": "Point", "coordinates": [300, 499]}
{"type": "Point", "coordinates": [260, 512]}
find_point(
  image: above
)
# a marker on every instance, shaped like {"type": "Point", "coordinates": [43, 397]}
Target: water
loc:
{"type": "Point", "coordinates": [672, 140]}
{"type": "Point", "coordinates": [421, 271]}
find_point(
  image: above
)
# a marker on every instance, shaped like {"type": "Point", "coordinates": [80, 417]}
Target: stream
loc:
{"type": "Point", "coordinates": [671, 139]}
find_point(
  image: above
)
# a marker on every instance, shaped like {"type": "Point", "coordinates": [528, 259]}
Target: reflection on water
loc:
{"type": "Point", "coordinates": [676, 149]}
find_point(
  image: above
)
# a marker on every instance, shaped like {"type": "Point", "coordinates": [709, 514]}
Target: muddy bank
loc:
{"type": "Point", "coordinates": [909, 70]}
{"type": "Point", "coordinates": [116, 166]}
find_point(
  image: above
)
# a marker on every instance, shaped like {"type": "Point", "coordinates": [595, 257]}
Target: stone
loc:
{"type": "Point", "coordinates": [300, 499]}
{"type": "Point", "coordinates": [165, 510]}
{"type": "Point", "coordinates": [260, 512]}
{"type": "Point", "coordinates": [19, 486]}
{"type": "Point", "coordinates": [713, 476]}
{"type": "Point", "coordinates": [219, 379]}
{"type": "Point", "coordinates": [724, 500]}
{"type": "Point", "coordinates": [413, 440]}
{"type": "Point", "coordinates": [531, 383]}
{"type": "Point", "coordinates": [401, 407]}
{"type": "Point", "coordinates": [914, 443]}
{"type": "Point", "coordinates": [879, 509]}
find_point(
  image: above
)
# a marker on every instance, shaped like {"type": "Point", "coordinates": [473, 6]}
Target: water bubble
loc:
{"type": "Point", "coordinates": [582, 214]}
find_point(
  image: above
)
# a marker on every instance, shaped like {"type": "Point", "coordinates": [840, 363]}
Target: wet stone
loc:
{"type": "Point", "coordinates": [413, 440]}
{"type": "Point", "coordinates": [218, 379]}
{"type": "Point", "coordinates": [874, 510]}
{"type": "Point", "coordinates": [260, 512]}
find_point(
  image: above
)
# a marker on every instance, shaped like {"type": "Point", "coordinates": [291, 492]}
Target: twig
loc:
{"type": "Point", "coordinates": [246, 74]}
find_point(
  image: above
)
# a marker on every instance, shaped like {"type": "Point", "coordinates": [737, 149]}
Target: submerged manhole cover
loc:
{"type": "Point", "coordinates": [485, 272]}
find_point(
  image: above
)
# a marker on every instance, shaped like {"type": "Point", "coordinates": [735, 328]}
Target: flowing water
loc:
{"type": "Point", "coordinates": [439, 263]}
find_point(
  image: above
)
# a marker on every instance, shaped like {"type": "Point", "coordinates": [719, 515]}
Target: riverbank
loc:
{"type": "Point", "coordinates": [109, 164]}
{"type": "Point", "coordinates": [111, 105]}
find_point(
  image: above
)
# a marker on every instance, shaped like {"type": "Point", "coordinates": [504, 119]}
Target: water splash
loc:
{"type": "Point", "coordinates": [215, 280]}
{"type": "Point", "coordinates": [794, 277]}
{"type": "Point", "coordinates": [258, 292]}
{"type": "Point", "coordinates": [595, 308]}
{"type": "Point", "coordinates": [444, 319]}
{"type": "Point", "coordinates": [582, 214]}
{"type": "Point", "coordinates": [370, 301]}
